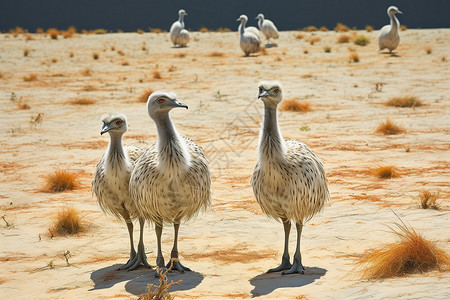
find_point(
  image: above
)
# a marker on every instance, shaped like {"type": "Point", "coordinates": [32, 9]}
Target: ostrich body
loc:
{"type": "Point", "coordinates": [249, 41]}
{"type": "Point", "coordinates": [111, 183]}
{"type": "Point", "coordinates": [289, 180]}
{"type": "Point", "coordinates": [170, 182]}
{"type": "Point", "coordinates": [267, 27]}
{"type": "Point", "coordinates": [389, 34]}
{"type": "Point", "coordinates": [178, 35]}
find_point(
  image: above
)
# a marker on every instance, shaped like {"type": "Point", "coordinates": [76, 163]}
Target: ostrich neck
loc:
{"type": "Point", "coordinates": [271, 144]}
{"type": "Point", "coordinates": [115, 154]}
{"type": "Point", "coordinates": [260, 22]}
{"type": "Point", "coordinates": [242, 27]}
{"type": "Point", "coordinates": [394, 23]}
{"type": "Point", "coordinates": [181, 20]}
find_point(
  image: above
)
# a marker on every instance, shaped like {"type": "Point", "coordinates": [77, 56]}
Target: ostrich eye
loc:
{"type": "Point", "coordinates": [276, 91]}
{"type": "Point", "coordinates": [260, 90]}
{"type": "Point", "coordinates": [161, 100]}
{"type": "Point", "coordinates": [119, 122]}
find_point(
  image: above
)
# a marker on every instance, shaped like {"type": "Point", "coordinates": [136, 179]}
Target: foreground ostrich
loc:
{"type": "Point", "coordinates": [389, 34]}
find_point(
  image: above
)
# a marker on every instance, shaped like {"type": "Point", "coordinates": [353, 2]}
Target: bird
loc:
{"type": "Point", "coordinates": [267, 27]}
{"type": "Point", "coordinates": [249, 40]}
{"type": "Point", "coordinates": [289, 180]}
{"type": "Point", "coordinates": [178, 35]}
{"type": "Point", "coordinates": [389, 34]}
{"type": "Point", "coordinates": [111, 183]}
{"type": "Point", "coordinates": [170, 182]}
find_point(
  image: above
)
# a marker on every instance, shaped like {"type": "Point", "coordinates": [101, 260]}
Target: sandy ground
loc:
{"type": "Point", "coordinates": [230, 246]}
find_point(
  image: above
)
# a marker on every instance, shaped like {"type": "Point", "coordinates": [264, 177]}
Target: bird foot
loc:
{"type": "Point", "coordinates": [297, 268]}
{"type": "Point", "coordinates": [285, 265]}
{"type": "Point", "coordinates": [139, 259]}
{"type": "Point", "coordinates": [175, 264]}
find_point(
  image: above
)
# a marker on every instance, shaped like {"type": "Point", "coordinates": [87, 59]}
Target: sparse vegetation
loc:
{"type": "Point", "coordinates": [429, 200]}
{"type": "Point", "coordinates": [405, 101]}
{"type": "Point", "coordinates": [310, 28]}
{"type": "Point", "coordinates": [68, 221]}
{"type": "Point", "coordinates": [160, 292]}
{"type": "Point", "coordinates": [389, 128]}
{"type": "Point", "coordinates": [341, 28]}
{"type": "Point", "coordinates": [100, 31]}
{"type": "Point", "coordinates": [86, 72]}
{"type": "Point", "coordinates": [95, 55]}
{"type": "Point", "coordinates": [411, 254]}
{"type": "Point", "coordinates": [361, 40]}
{"type": "Point", "coordinates": [379, 87]}
{"type": "Point", "coordinates": [53, 33]}
{"type": "Point", "coordinates": [62, 180]}
{"type": "Point", "coordinates": [353, 57]}
{"type": "Point", "coordinates": [386, 172]}
{"type": "Point", "coordinates": [343, 39]}
{"type": "Point", "coordinates": [26, 51]}
{"type": "Point", "coordinates": [294, 104]}
{"type": "Point", "coordinates": [403, 27]}
{"type": "Point", "coordinates": [299, 36]}
{"type": "Point", "coordinates": [156, 74]}
{"type": "Point", "coordinates": [369, 28]}
{"type": "Point", "coordinates": [144, 96]}
{"type": "Point", "coordinates": [30, 77]}
{"type": "Point", "coordinates": [314, 40]}
{"type": "Point", "coordinates": [216, 54]}
{"type": "Point", "coordinates": [82, 101]}
{"type": "Point", "coordinates": [428, 49]}
{"type": "Point", "coordinates": [323, 28]}
{"type": "Point", "coordinates": [305, 128]}
{"type": "Point", "coordinates": [327, 49]}
{"type": "Point", "coordinates": [223, 29]}
{"type": "Point", "coordinates": [140, 31]}
{"type": "Point", "coordinates": [203, 29]}
{"type": "Point", "coordinates": [155, 30]}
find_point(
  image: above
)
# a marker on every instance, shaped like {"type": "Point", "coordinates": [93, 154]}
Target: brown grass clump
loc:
{"type": "Point", "coordinates": [294, 105]}
{"type": "Point", "coordinates": [411, 255]}
{"type": "Point", "coordinates": [406, 101]}
{"type": "Point", "coordinates": [216, 54]}
{"type": "Point", "coordinates": [341, 28]}
{"type": "Point", "coordinates": [144, 96]}
{"type": "Point", "coordinates": [83, 101]}
{"type": "Point", "coordinates": [62, 180]}
{"type": "Point", "coordinates": [95, 55]}
{"type": "Point", "coordinates": [323, 28]}
{"type": "Point", "coordinates": [389, 128]}
{"type": "Point", "coordinates": [140, 31]}
{"type": "Point", "coordinates": [53, 32]}
{"type": "Point", "coordinates": [354, 57]}
{"type": "Point", "coordinates": [327, 49]}
{"type": "Point", "coordinates": [203, 29]}
{"type": "Point", "coordinates": [361, 40]}
{"type": "Point", "coordinates": [86, 72]}
{"type": "Point", "coordinates": [403, 27]}
{"type": "Point", "coordinates": [428, 199]}
{"type": "Point", "coordinates": [160, 292]}
{"type": "Point", "coordinates": [155, 30]}
{"type": "Point", "coordinates": [68, 221]}
{"type": "Point", "coordinates": [310, 28]}
{"type": "Point", "coordinates": [313, 40]}
{"type": "Point", "coordinates": [428, 49]}
{"type": "Point", "coordinates": [26, 51]}
{"type": "Point", "coordinates": [369, 28]}
{"type": "Point", "coordinates": [39, 30]}
{"type": "Point", "coordinates": [156, 75]}
{"type": "Point", "coordinates": [386, 172]}
{"type": "Point", "coordinates": [299, 36]}
{"type": "Point", "coordinates": [31, 77]}
{"type": "Point", "coordinates": [223, 29]}
{"type": "Point", "coordinates": [343, 39]}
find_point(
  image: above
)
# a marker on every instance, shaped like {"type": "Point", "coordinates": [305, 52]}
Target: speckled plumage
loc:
{"type": "Point", "coordinates": [267, 27]}
{"type": "Point", "coordinates": [249, 41]}
{"type": "Point", "coordinates": [178, 34]}
{"type": "Point", "coordinates": [389, 37]}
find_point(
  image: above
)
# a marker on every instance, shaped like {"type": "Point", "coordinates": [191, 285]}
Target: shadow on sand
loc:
{"type": "Point", "coordinates": [139, 278]}
{"type": "Point", "coordinates": [266, 283]}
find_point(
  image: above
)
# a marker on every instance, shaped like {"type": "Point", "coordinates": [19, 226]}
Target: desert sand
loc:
{"type": "Point", "coordinates": [229, 247]}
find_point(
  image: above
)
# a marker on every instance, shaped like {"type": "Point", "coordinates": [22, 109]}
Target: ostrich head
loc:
{"type": "Point", "coordinates": [260, 17]}
{"type": "Point", "coordinates": [243, 19]}
{"type": "Point", "coordinates": [161, 102]}
{"type": "Point", "coordinates": [270, 92]}
{"type": "Point", "coordinates": [114, 123]}
{"type": "Point", "coordinates": [182, 13]}
{"type": "Point", "coordinates": [392, 10]}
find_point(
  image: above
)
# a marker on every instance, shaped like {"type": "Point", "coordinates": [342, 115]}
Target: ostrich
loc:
{"type": "Point", "coordinates": [170, 182]}
{"type": "Point", "coordinates": [179, 35]}
{"type": "Point", "coordinates": [111, 181]}
{"type": "Point", "coordinates": [249, 40]}
{"type": "Point", "coordinates": [389, 35]}
{"type": "Point", "coordinates": [267, 27]}
{"type": "Point", "coordinates": [289, 180]}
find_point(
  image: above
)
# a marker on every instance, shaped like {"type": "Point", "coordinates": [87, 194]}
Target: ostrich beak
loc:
{"type": "Point", "coordinates": [105, 129]}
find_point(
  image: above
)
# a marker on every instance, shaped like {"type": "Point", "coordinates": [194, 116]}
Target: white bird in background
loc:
{"type": "Point", "coordinates": [111, 182]}
{"type": "Point", "coordinates": [171, 181]}
{"type": "Point", "coordinates": [178, 35]}
{"type": "Point", "coordinates": [249, 41]}
{"type": "Point", "coordinates": [267, 28]}
{"type": "Point", "coordinates": [389, 34]}
{"type": "Point", "coordinates": [289, 180]}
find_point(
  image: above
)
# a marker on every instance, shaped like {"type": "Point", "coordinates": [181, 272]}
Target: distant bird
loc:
{"type": "Point", "coordinates": [249, 40]}
{"type": "Point", "coordinates": [267, 28]}
{"type": "Point", "coordinates": [289, 180]}
{"type": "Point", "coordinates": [389, 35]}
{"type": "Point", "coordinates": [171, 181]}
{"type": "Point", "coordinates": [111, 182]}
{"type": "Point", "coordinates": [178, 35]}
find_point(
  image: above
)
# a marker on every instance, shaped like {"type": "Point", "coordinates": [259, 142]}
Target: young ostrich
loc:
{"type": "Point", "coordinates": [170, 182]}
{"type": "Point", "coordinates": [389, 35]}
{"type": "Point", "coordinates": [289, 180]}
{"type": "Point", "coordinates": [111, 183]}
{"type": "Point", "coordinates": [178, 35]}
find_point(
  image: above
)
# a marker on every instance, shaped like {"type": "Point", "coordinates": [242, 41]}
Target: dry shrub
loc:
{"type": "Point", "coordinates": [95, 55]}
{"type": "Point", "coordinates": [353, 57]}
{"type": "Point", "coordinates": [23, 106]}
{"type": "Point", "coordinates": [343, 39]}
{"type": "Point", "coordinates": [144, 96]}
{"type": "Point", "coordinates": [327, 49]}
{"type": "Point", "coordinates": [203, 29]}
{"type": "Point", "coordinates": [155, 30]}
{"type": "Point", "coordinates": [386, 172]}
{"type": "Point", "coordinates": [389, 128]}
{"type": "Point", "coordinates": [305, 51]}
{"type": "Point", "coordinates": [160, 292]}
{"type": "Point", "coordinates": [39, 30]}
{"type": "Point", "coordinates": [314, 40]}
{"type": "Point", "coordinates": [125, 63]}
{"type": "Point", "coordinates": [121, 53]}
{"type": "Point", "coordinates": [403, 27]}
{"type": "Point", "coordinates": [223, 29]}
{"type": "Point", "coordinates": [299, 36]}
{"type": "Point", "coordinates": [26, 51]}
{"type": "Point", "coordinates": [181, 55]}
{"type": "Point", "coordinates": [410, 255]}
{"type": "Point", "coordinates": [216, 54]}
{"type": "Point", "coordinates": [68, 221]}
{"type": "Point", "coordinates": [428, 199]}
{"type": "Point", "coordinates": [83, 101]}
{"type": "Point", "coordinates": [86, 72]}
{"type": "Point", "coordinates": [62, 180]}
{"type": "Point", "coordinates": [156, 74]}
{"type": "Point", "coordinates": [323, 28]}
{"type": "Point", "coordinates": [53, 32]}
{"type": "Point", "coordinates": [361, 40]}
{"type": "Point", "coordinates": [405, 101]}
{"type": "Point", "coordinates": [341, 28]}
{"type": "Point", "coordinates": [294, 105]}
{"type": "Point", "coordinates": [369, 28]}
{"type": "Point", "coordinates": [31, 77]}
{"type": "Point", "coordinates": [100, 31]}
{"type": "Point", "coordinates": [428, 49]}
{"type": "Point", "coordinates": [54, 60]}
{"type": "Point", "coordinates": [140, 31]}
{"type": "Point", "coordinates": [310, 28]}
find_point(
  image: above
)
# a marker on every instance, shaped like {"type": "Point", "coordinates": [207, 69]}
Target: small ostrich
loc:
{"type": "Point", "coordinates": [170, 182]}
{"type": "Point", "coordinates": [111, 181]}
{"type": "Point", "coordinates": [389, 35]}
{"type": "Point", "coordinates": [289, 180]}
{"type": "Point", "coordinates": [249, 40]}
{"type": "Point", "coordinates": [178, 35]}
{"type": "Point", "coordinates": [267, 28]}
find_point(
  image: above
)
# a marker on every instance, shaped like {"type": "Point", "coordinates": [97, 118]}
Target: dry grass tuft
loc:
{"type": "Point", "coordinates": [26, 51]}
{"type": "Point", "coordinates": [203, 29]}
{"type": "Point", "coordinates": [323, 28]}
{"type": "Point", "coordinates": [155, 30]}
{"type": "Point", "coordinates": [82, 101]}
{"type": "Point", "coordinates": [386, 172]}
{"type": "Point", "coordinates": [327, 49]}
{"type": "Point", "coordinates": [160, 292]}
{"type": "Point", "coordinates": [403, 27]}
{"type": "Point", "coordinates": [53, 32]}
{"type": "Point", "coordinates": [428, 49]}
{"type": "Point", "coordinates": [216, 54]}
{"type": "Point", "coordinates": [361, 40]}
{"type": "Point", "coordinates": [428, 200]}
{"type": "Point", "coordinates": [369, 28]}
{"type": "Point", "coordinates": [353, 57]}
{"type": "Point", "coordinates": [140, 31]}
{"type": "Point", "coordinates": [299, 36]}
{"type": "Point", "coordinates": [86, 72]}
{"type": "Point", "coordinates": [294, 105]}
{"type": "Point", "coordinates": [406, 101]}
{"type": "Point", "coordinates": [411, 255]}
{"type": "Point", "coordinates": [144, 96]}
{"type": "Point", "coordinates": [62, 180]}
{"type": "Point", "coordinates": [31, 77]}
{"type": "Point", "coordinates": [95, 55]}
{"type": "Point", "coordinates": [156, 74]}
{"type": "Point", "coordinates": [343, 39]}
{"type": "Point", "coordinates": [313, 40]}
{"type": "Point", "coordinates": [223, 29]}
{"type": "Point", "coordinates": [310, 28]}
{"type": "Point", "coordinates": [389, 128]}
{"type": "Point", "coordinates": [341, 28]}
{"type": "Point", "coordinates": [68, 221]}
{"type": "Point", "coordinates": [181, 55]}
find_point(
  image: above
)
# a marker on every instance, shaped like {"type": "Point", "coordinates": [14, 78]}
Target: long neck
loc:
{"type": "Point", "coordinates": [394, 22]}
{"type": "Point", "coordinates": [181, 20]}
{"type": "Point", "coordinates": [242, 27]}
{"type": "Point", "coordinates": [115, 154]}
{"type": "Point", "coordinates": [271, 143]}
{"type": "Point", "coordinates": [261, 20]}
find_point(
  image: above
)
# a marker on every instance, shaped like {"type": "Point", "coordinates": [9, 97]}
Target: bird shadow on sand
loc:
{"type": "Point", "coordinates": [391, 54]}
{"type": "Point", "coordinates": [138, 285]}
{"type": "Point", "coordinates": [271, 45]}
{"type": "Point", "coordinates": [266, 283]}
{"type": "Point", "coordinates": [109, 276]}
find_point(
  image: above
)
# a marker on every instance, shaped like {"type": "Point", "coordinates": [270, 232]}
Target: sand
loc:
{"type": "Point", "coordinates": [229, 247]}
